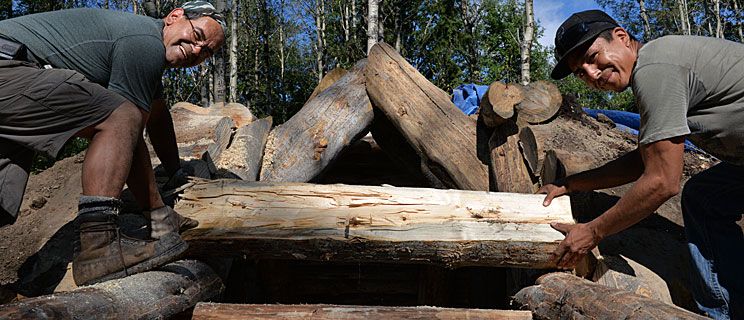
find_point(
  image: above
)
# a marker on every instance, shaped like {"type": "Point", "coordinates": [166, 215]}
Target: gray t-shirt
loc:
{"type": "Point", "coordinates": [687, 85]}
{"type": "Point", "coordinates": [121, 51]}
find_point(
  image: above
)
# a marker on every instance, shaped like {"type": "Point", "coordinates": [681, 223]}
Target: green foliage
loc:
{"type": "Point", "coordinates": [71, 148]}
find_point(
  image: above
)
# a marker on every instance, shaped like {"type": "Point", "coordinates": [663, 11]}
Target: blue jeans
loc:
{"type": "Point", "coordinates": [712, 203]}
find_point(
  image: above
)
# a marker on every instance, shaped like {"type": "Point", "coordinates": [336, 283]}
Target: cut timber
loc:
{"type": "Point", "coordinates": [528, 146]}
{"type": "Point", "coordinates": [329, 79]}
{"type": "Point", "coordinates": [498, 103]}
{"type": "Point", "coordinates": [372, 224]}
{"type": "Point", "coordinates": [300, 149]}
{"type": "Point", "coordinates": [551, 168]}
{"type": "Point", "coordinates": [243, 157]}
{"type": "Point", "coordinates": [508, 170]}
{"type": "Point", "coordinates": [541, 102]}
{"type": "Point", "coordinates": [214, 311]}
{"type": "Point", "coordinates": [564, 296]}
{"type": "Point", "coordinates": [238, 112]}
{"type": "Point", "coordinates": [222, 135]}
{"type": "Point", "coordinates": [149, 295]}
{"type": "Point", "coordinates": [442, 135]}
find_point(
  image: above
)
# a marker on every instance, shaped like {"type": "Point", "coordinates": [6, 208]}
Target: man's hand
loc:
{"type": "Point", "coordinates": [552, 191]}
{"type": "Point", "coordinates": [580, 239]}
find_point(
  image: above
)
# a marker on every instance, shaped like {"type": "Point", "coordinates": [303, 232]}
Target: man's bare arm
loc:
{"type": "Point", "coordinates": [163, 136]}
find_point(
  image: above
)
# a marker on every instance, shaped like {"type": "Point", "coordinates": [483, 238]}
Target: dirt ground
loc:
{"type": "Point", "coordinates": [31, 264]}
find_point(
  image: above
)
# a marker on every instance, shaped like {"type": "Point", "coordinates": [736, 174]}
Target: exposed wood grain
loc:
{"type": "Point", "coordinates": [541, 102]}
{"type": "Point", "coordinates": [564, 296]}
{"type": "Point", "coordinates": [329, 79]}
{"type": "Point", "coordinates": [212, 311]}
{"type": "Point", "coordinates": [222, 135]}
{"type": "Point", "coordinates": [498, 103]}
{"type": "Point", "coordinates": [528, 146]}
{"type": "Point", "coordinates": [244, 155]}
{"type": "Point", "coordinates": [442, 135]}
{"type": "Point", "coordinates": [300, 149]}
{"type": "Point", "coordinates": [375, 224]}
{"type": "Point", "coordinates": [159, 294]}
{"type": "Point", "coordinates": [508, 169]}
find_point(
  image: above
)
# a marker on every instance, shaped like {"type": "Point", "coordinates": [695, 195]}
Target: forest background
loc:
{"type": "Point", "coordinates": [276, 51]}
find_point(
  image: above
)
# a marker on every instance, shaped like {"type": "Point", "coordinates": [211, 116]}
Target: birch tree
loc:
{"type": "Point", "coordinates": [233, 97]}
{"type": "Point", "coordinates": [644, 17]}
{"type": "Point", "coordinates": [529, 32]}
{"type": "Point", "coordinates": [372, 23]}
{"type": "Point", "coordinates": [218, 62]}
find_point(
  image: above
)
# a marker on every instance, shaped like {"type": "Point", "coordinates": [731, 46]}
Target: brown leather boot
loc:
{"type": "Point", "coordinates": [164, 220]}
{"type": "Point", "coordinates": [105, 254]}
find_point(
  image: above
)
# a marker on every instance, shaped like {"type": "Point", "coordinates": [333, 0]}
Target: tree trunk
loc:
{"type": "Point", "coordinates": [218, 62]}
{"type": "Point", "coordinates": [737, 15]}
{"type": "Point", "coordinates": [234, 51]}
{"type": "Point", "coordinates": [319, 14]}
{"type": "Point", "coordinates": [529, 31]}
{"type": "Point", "coordinates": [214, 311]}
{"type": "Point", "coordinates": [719, 24]}
{"type": "Point", "coordinates": [302, 148]}
{"type": "Point", "coordinates": [166, 292]}
{"type": "Point", "coordinates": [372, 24]}
{"type": "Point", "coordinates": [442, 135]}
{"type": "Point", "coordinates": [646, 25]}
{"type": "Point", "coordinates": [564, 296]}
{"type": "Point", "coordinates": [363, 224]}
{"type": "Point", "coordinates": [243, 157]}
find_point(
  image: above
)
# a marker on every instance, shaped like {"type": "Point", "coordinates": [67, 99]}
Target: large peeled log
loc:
{"type": "Point", "coordinates": [443, 137]}
{"type": "Point", "coordinates": [301, 148]}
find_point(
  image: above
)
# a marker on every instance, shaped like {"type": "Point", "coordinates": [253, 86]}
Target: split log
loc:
{"type": "Point", "coordinates": [329, 79]}
{"type": "Point", "coordinates": [222, 134]}
{"type": "Point", "coordinates": [625, 274]}
{"type": "Point", "coordinates": [442, 135]}
{"type": "Point", "coordinates": [497, 105]}
{"type": "Point", "coordinates": [528, 146]}
{"type": "Point", "coordinates": [204, 311]}
{"type": "Point", "coordinates": [541, 102]}
{"type": "Point", "coordinates": [508, 170]}
{"type": "Point", "coordinates": [564, 296]}
{"type": "Point", "coordinates": [238, 112]}
{"type": "Point", "coordinates": [172, 289]}
{"type": "Point", "coordinates": [300, 149]}
{"type": "Point", "coordinates": [551, 168]}
{"type": "Point", "coordinates": [558, 164]}
{"type": "Point", "coordinates": [372, 224]}
{"type": "Point", "coordinates": [243, 157]}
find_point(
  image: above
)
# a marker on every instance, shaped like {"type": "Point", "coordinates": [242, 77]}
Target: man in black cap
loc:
{"type": "Point", "coordinates": [101, 80]}
{"type": "Point", "coordinates": [685, 87]}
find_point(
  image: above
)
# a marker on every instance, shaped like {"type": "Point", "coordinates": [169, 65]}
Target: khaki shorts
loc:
{"type": "Point", "coordinates": [40, 109]}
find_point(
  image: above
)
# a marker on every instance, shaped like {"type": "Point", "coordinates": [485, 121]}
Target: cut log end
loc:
{"type": "Point", "coordinates": [541, 102]}
{"type": "Point", "coordinates": [498, 104]}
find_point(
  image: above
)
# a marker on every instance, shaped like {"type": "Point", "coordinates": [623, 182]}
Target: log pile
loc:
{"type": "Point", "coordinates": [269, 212]}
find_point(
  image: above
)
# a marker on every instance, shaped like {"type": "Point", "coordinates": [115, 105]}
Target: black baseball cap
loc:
{"type": "Point", "coordinates": [579, 28]}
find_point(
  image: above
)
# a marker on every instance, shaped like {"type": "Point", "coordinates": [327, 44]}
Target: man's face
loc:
{"type": "Point", "coordinates": [189, 42]}
{"type": "Point", "coordinates": [605, 65]}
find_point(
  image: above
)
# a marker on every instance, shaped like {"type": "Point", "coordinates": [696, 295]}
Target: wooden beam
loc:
{"type": "Point", "coordinates": [443, 136]}
{"type": "Point", "coordinates": [372, 224]}
{"type": "Point", "coordinates": [214, 311]}
{"type": "Point", "coordinates": [563, 296]}
{"type": "Point", "coordinates": [158, 294]}
{"type": "Point", "coordinates": [300, 149]}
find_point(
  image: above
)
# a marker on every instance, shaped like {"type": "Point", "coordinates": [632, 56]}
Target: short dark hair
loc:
{"type": "Point", "coordinates": [607, 35]}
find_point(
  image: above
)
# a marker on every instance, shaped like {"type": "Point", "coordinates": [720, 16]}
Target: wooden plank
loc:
{"type": "Point", "coordinates": [563, 296]}
{"type": "Point", "coordinates": [442, 135]}
{"type": "Point", "coordinates": [158, 294]}
{"type": "Point", "coordinates": [374, 224]}
{"type": "Point", "coordinates": [300, 149]}
{"type": "Point", "coordinates": [214, 311]}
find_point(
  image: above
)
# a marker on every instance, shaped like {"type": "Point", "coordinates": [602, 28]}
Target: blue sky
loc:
{"type": "Point", "coordinates": [551, 13]}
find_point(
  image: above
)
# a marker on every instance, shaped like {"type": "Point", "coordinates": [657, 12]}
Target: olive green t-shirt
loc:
{"type": "Point", "coordinates": [120, 51]}
{"type": "Point", "coordinates": [687, 85]}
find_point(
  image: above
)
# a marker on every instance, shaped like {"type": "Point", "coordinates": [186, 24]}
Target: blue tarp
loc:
{"type": "Point", "coordinates": [629, 122]}
{"type": "Point", "coordinates": [467, 97]}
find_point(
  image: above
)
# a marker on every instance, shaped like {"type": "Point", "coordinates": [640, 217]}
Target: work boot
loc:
{"type": "Point", "coordinates": [166, 220]}
{"type": "Point", "coordinates": [104, 253]}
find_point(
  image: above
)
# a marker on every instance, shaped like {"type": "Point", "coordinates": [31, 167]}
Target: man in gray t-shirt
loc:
{"type": "Point", "coordinates": [101, 80]}
{"type": "Point", "coordinates": [685, 87]}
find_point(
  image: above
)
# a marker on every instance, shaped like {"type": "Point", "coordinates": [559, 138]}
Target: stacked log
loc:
{"type": "Point", "coordinates": [441, 135]}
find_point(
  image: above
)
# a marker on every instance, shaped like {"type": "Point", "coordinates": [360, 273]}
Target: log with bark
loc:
{"type": "Point", "coordinates": [534, 103]}
{"type": "Point", "coordinates": [204, 311]}
{"type": "Point", "coordinates": [158, 294]}
{"type": "Point", "coordinates": [563, 296]}
{"type": "Point", "coordinates": [300, 149]}
{"type": "Point", "coordinates": [372, 224]}
{"type": "Point", "coordinates": [443, 137]}
{"type": "Point", "coordinates": [243, 157]}
{"type": "Point", "coordinates": [509, 173]}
